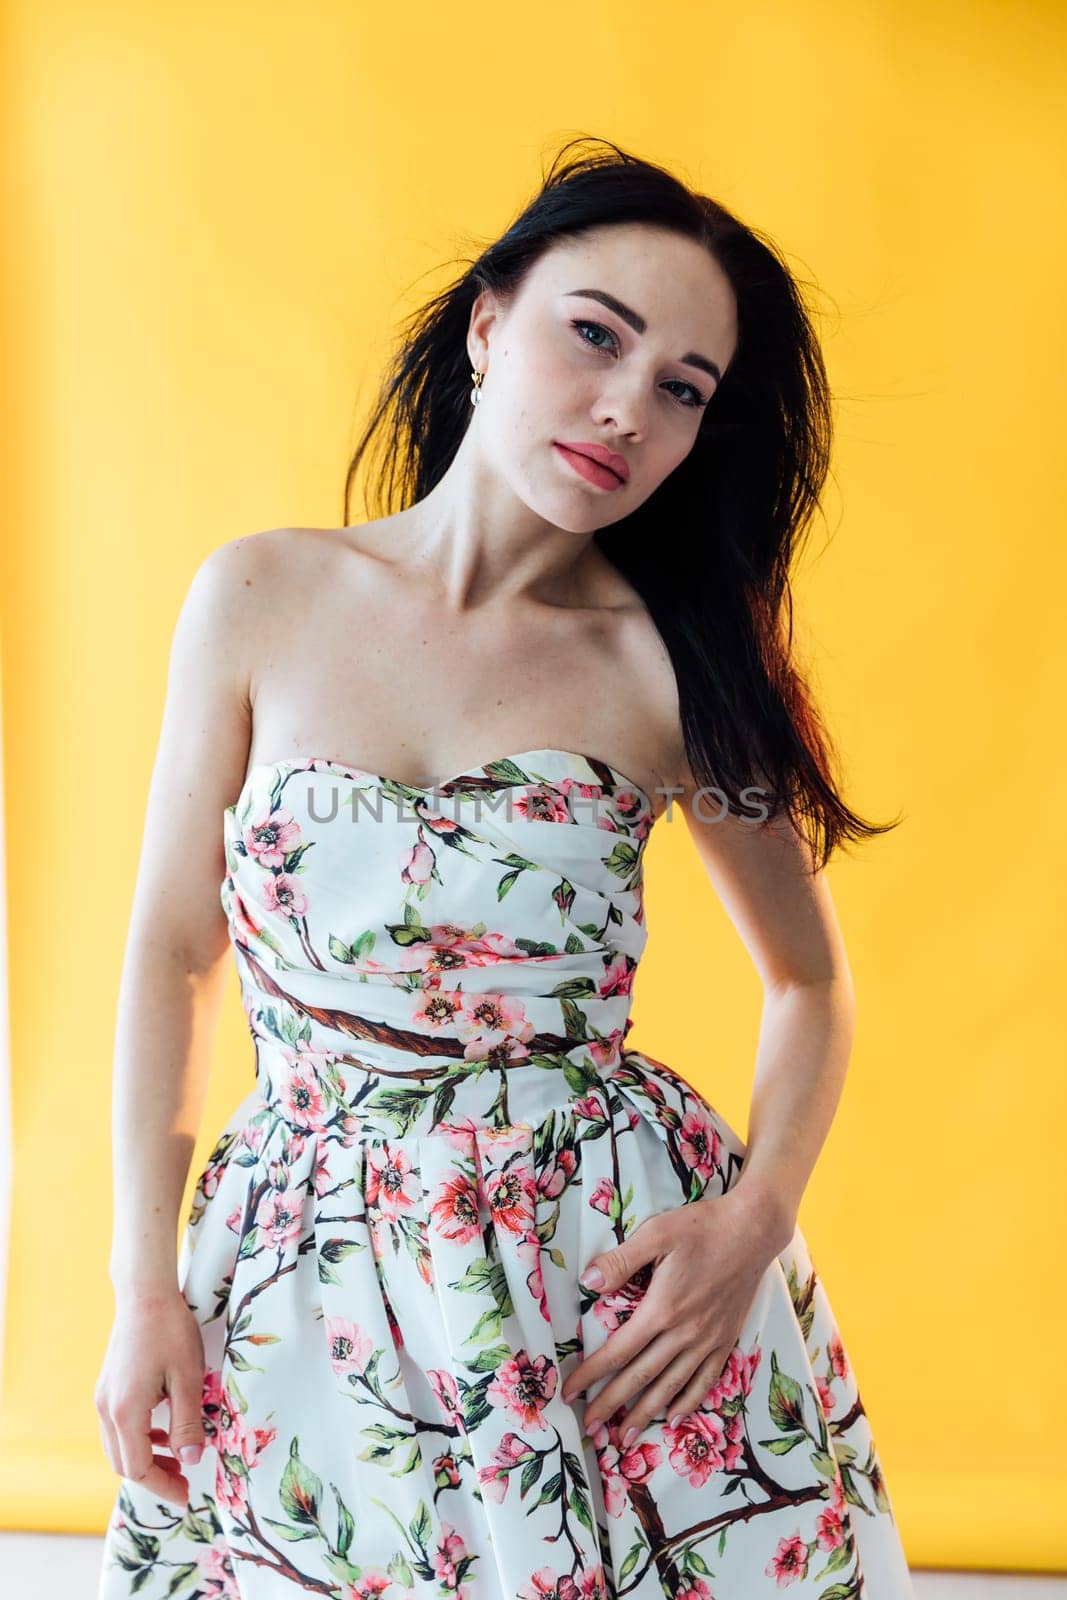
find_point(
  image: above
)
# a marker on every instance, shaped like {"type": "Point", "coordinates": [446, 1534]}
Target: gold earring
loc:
{"type": "Point", "coordinates": [476, 392]}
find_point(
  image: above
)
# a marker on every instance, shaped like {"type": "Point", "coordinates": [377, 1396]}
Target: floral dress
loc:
{"type": "Point", "coordinates": [384, 1246]}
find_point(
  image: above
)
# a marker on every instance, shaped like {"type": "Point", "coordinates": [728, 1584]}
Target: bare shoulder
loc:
{"type": "Point", "coordinates": [284, 562]}
{"type": "Point", "coordinates": [262, 577]}
{"type": "Point", "coordinates": [642, 662]}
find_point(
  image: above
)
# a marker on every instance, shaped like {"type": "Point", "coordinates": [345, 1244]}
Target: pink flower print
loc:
{"type": "Point", "coordinates": [459, 1133]}
{"type": "Point", "coordinates": [510, 1453]}
{"type": "Point", "coordinates": [826, 1394]}
{"type": "Point", "coordinates": [617, 1306]}
{"type": "Point", "coordinates": [592, 1583]}
{"type": "Point", "coordinates": [511, 1136]}
{"type": "Point", "coordinates": [829, 1530]}
{"type": "Point", "coordinates": [449, 948]}
{"type": "Point", "coordinates": [446, 1470]}
{"type": "Point", "coordinates": [838, 1360]}
{"type": "Point", "coordinates": [789, 1561]}
{"type": "Point", "coordinates": [350, 1128]}
{"type": "Point", "coordinates": [478, 946]}
{"type": "Point", "coordinates": [499, 1054]}
{"type": "Point", "coordinates": [699, 1144]}
{"type": "Point", "coordinates": [270, 840]}
{"type": "Point", "coordinates": [734, 1434]}
{"type": "Point", "coordinates": [246, 926]}
{"type": "Point", "coordinates": [639, 1461]}
{"type": "Point", "coordinates": [585, 801]}
{"type": "Point", "coordinates": [392, 1182]}
{"type": "Point", "coordinates": [323, 1175]}
{"type": "Point", "coordinates": [619, 1468]}
{"type": "Point", "coordinates": [535, 1278]}
{"type": "Point", "coordinates": [233, 1221]}
{"type": "Point", "coordinates": [419, 865]}
{"type": "Point", "coordinates": [302, 1098]}
{"type": "Point", "coordinates": [547, 1584]}
{"type": "Point", "coordinates": [350, 1347]}
{"type": "Point", "coordinates": [278, 1168]}
{"type": "Point", "coordinates": [629, 802]}
{"type": "Point", "coordinates": [524, 1387]}
{"type": "Point", "coordinates": [443, 1384]}
{"type": "Point", "coordinates": [607, 1051]}
{"type": "Point", "coordinates": [554, 1177]}
{"type": "Point", "coordinates": [452, 947]}
{"type": "Point", "coordinates": [280, 1214]}
{"type": "Point", "coordinates": [215, 1573]}
{"type": "Point", "coordinates": [510, 1196]}
{"type": "Point", "coordinates": [696, 1446]}
{"type": "Point", "coordinates": [603, 1196]}
{"type": "Point", "coordinates": [618, 976]}
{"type": "Point", "coordinates": [735, 1378]}
{"type": "Point", "coordinates": [208, 1181]}
{"type": "Point", "coordinates": [440, 1009]}
{"type": "Point", "coordinates": [591, 1107]}
{"type": "Point", "coordinates": [282, 892]}
{"type": "Point", "coordinates": [435, 818]}
{"type": "Point", "coordinates": [696, 1589]}
{"type": "Point", "coordinates": [489, 1019]}
{"type": "Point", "coordinates": [372, 1582]}
{"type": "Point", "coordinates": [454, 1209]}
{"type": "Point", "coordinates": [210, 1400]}
{"type": "Point", "coordinates": [450, 1557]}
{"type": "Point", "coordinates": [252, 1136]}
{"type": "Point", "coordinates": [539, 803]}
{"type": "Point", "coordinates": [239, 1448]}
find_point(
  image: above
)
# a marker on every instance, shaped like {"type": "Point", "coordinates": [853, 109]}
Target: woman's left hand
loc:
{"type": "Point", "coordinates": [710, 1255]}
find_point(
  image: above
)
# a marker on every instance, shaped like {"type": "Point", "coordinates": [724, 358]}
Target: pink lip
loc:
{"type": "Point", "coordinates": [598, 452]}
{"type": "Point", "coordinates": [592, 470]}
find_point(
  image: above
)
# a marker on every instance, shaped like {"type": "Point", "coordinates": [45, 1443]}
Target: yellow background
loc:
{"type": "Point", "coordinates": [214, 217]}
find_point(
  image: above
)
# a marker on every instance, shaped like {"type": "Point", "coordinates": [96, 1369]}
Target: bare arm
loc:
{"type": "Point", "coordinates": [786, 919]}
{"type": "Point", "coordinates": [176, 951]}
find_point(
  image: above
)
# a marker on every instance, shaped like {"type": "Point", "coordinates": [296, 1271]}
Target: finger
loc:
{"type": "Point", "coordinates": [634, 1376]}
{"type": "Point", "coordinates": [702, 1382]}
{"type": "Point", "coordinates": [110, 1441]}
{"type": "Point", "coordinates": [610, 1269]}
{"type": "Point", "coordinates": [165, 1479]}
{"type": "Point", "coordinates": [621, 1346]}
{"type": "Point", "coordinates": [186, 1430]}
{"type": "Point", "coordinates": [155, 1471]}
{"type": "Point", "coordinates": [658, 1399]}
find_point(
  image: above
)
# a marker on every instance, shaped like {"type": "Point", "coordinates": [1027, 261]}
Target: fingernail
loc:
{"type": "Point", "coordinates": [592, 1278]}
{"type": "Point", "coordinates": [628, 1438]}
{"type": "Point", "coordinates": [191, 1453]}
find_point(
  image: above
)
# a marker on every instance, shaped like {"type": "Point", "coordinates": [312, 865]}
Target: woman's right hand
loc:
{"type": "Point", "coordinates": [155, 1352]}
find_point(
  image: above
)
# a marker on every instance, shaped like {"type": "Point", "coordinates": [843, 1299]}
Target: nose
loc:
{"type": "Point", "coordinates": [621, 406]}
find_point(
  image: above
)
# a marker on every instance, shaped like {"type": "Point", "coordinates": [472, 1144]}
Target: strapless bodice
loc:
{"type": "Point", "coordinates": [493, 919]}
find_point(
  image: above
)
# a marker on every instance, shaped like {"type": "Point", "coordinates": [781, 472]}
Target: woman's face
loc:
{"type": "Point", "coordinates": [626, 371]}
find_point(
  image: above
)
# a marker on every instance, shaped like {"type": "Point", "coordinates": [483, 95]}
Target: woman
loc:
{"type": "Point", "coordinates": [378, 1369]}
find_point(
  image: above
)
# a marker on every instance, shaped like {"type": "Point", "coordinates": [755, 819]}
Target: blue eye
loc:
{"type": "Point", "coordinates": [578, 323]}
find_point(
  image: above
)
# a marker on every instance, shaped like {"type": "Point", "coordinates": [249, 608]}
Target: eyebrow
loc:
{"type": "Point", "coordinates": [638, 324]}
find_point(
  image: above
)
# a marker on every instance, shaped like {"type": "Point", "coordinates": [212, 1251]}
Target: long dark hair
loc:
{"type": "Point", "coordinates": [733, 511]}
